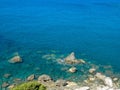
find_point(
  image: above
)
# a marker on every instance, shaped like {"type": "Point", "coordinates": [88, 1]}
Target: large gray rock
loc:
{"type": "Point", "coordinates": [70, 59]}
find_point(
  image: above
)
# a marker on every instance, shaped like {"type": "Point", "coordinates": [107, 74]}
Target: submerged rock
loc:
{"type": "Point", "coordinates": [72, 69]}
{"type": "Point", "coordinates": [31, 77]}
{"type": "Point", "coordinates": [15, 59]}
{"type": "Point", "coordinates": [7, 75]}
{"type": "Point", "coordinates": [5, 84]}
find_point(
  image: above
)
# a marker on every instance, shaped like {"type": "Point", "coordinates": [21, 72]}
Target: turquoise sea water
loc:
{"type": "Point", "coordinates": [91, 29]}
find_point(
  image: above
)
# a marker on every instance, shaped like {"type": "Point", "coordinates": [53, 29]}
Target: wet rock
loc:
{"type": "Point", "coordinates": [15, 59]}
{"type": "Point", "coordinates": [108, 81]}
{"type": "Point", "coordinates": [61, 83]}
{"type": "Point", "coordinates": [5, 84]}
{"type": "Point", "coordinates": [72, 69]}
{"type": "Point", "coordinates": [31, 77]}
{"type": "Point", "coordinates": [44, 78]}
{"type": "Point", "coordinates": [70, 59]}
{"type": "Point", "coordinates": [7, 75]}
{"type": "Point", "coordinates": [83, 88]}
{"type": "Point", "coordinates": [92, 70]}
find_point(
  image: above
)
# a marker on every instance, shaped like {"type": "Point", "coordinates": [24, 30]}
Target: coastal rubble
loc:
{"type": "Point", "coordinates": [61, 84]}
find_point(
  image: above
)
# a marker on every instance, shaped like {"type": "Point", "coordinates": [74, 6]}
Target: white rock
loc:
{"type": "Point", "coordinates": [83, 88]}
{"type": "Point", "coordinates": [100, 76]}
{"type": "Point", "coordinates": [108, 81]}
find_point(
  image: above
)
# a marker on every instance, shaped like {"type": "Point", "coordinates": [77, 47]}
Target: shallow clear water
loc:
{"type": "Point", "coordinates": [35, 28]}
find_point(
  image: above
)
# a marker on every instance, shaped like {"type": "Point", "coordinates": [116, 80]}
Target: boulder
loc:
{"type": "Point", "coordinates": [70, 59]}
{"type": "Point", "coordinates": [108, 81]}
{"type": "Point", "coordinates": [31, 77]}
{"type": "Point", "coordinates": [44, 78]}
{"type": "Point", "coordinates": [15, 59]}
{"type": "Point", "coordinates": [61, 82]}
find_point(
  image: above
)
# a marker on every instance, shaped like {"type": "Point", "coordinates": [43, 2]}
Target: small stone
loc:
{"type": "Point", "coordinates": [92, 70]}
{"type": "Point", "coordinates": [31, 77]}
{"type": "Point", "coordinates": [72, 69]}
{"type": "Point", "coordinates": [7, 75]}
{"type": "Point", "coordinates": [5, 84]}
{"type": "Point", "coordinates": [15, 59]}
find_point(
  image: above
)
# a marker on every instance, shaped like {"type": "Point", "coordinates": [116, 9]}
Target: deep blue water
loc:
{"type": "Point", "coordinates": [90, 28]}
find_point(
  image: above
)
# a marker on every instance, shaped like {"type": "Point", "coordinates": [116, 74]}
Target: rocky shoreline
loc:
{"type": "Point", "coordinates": [95, 80]}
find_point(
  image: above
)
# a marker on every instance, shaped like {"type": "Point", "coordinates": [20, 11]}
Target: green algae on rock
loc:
{"type": "Point", "coordinates": [32, 85]}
